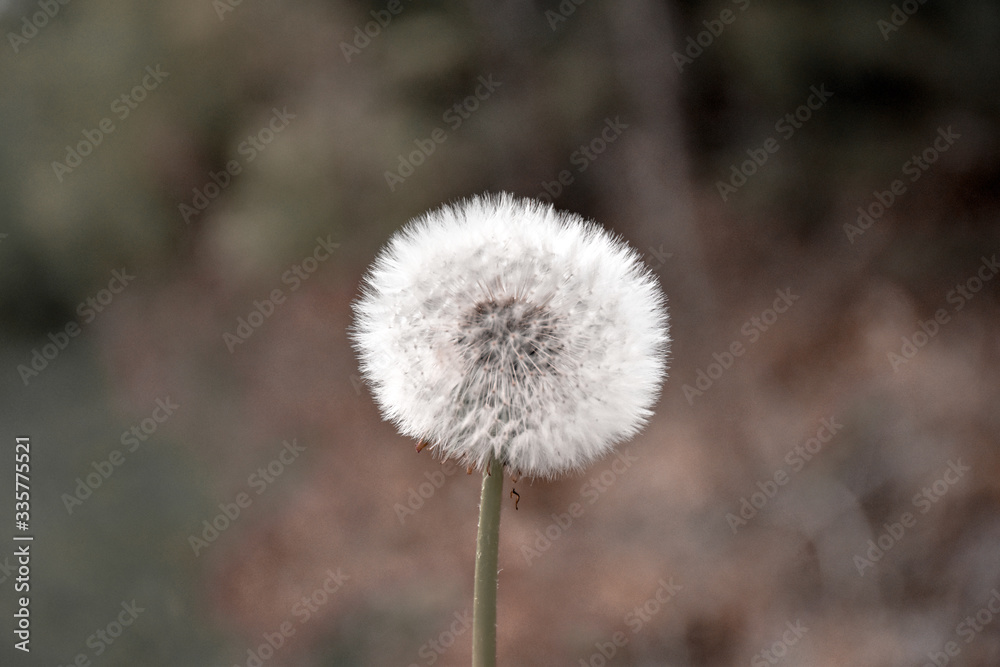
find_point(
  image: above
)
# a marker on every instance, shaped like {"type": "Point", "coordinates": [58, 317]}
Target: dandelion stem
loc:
{"type": "Point", "coordinates": [484, 614]}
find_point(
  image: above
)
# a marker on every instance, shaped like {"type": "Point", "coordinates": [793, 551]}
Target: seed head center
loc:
{"type": "Point", "coordinates": [509, 336]}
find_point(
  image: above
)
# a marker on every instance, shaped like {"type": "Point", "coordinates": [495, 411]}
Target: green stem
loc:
{"type": "Point", "coordinates": [484, 614]}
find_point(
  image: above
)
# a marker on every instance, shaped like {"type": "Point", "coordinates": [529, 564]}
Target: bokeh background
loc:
{"type": "Point", "coordinates": [250, 133]}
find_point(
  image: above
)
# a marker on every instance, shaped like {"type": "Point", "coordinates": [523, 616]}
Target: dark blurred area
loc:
{"type": "Point", "coordinates": [193, 189]}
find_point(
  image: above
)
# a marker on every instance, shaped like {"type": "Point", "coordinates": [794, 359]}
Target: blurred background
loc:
{"type": "Point", "coordinates": [191, 190]}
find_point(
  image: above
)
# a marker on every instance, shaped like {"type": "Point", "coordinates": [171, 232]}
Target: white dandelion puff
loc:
{"type": "Point", "coordinates": [502, 327]}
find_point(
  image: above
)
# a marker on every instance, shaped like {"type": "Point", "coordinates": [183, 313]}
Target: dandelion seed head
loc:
{"type": "Point", "coordinates": [499, 326]}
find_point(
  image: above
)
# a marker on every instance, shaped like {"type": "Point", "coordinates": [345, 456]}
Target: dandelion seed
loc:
{"type": "Point", "coordinates": [499, 327]}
